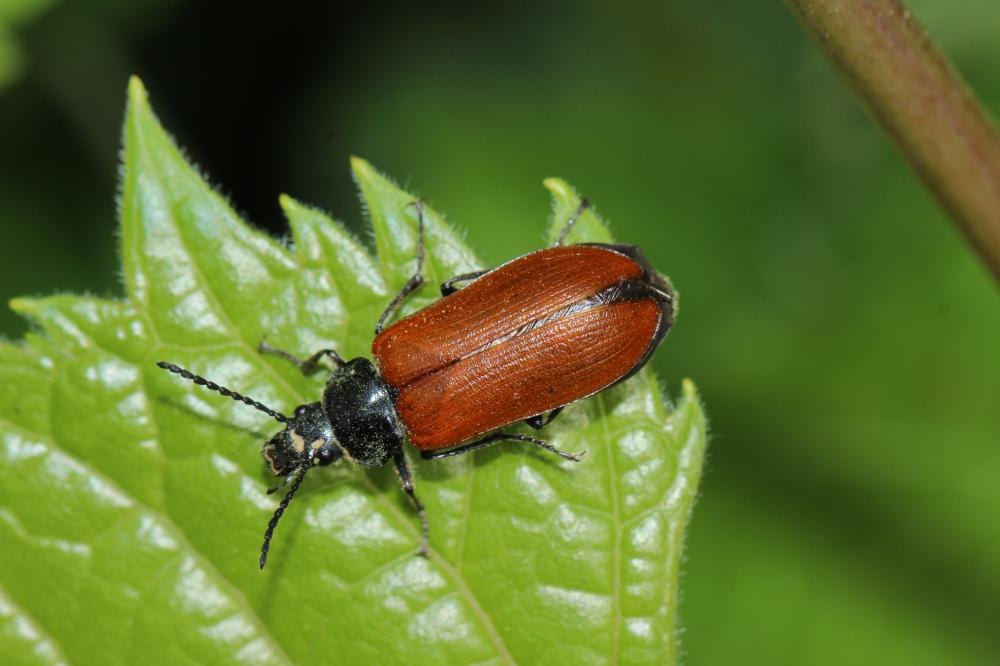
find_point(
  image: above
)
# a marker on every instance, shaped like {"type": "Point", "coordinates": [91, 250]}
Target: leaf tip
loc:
{"type": "Point", "coordinates": [23, 305]}
{"type": "Point", "coordinates": [371, 181]}
{"type": "Point", "coordinates": [688, 389]}
{"type": "Point", "coordinates": [136, 91]}
{"type": "Point", "coordinates": [560, 189]}
{"type": "Point", "coordinates": [137, 108]}
{"type": "Point", "coordinates": [363, 170]}
{"type": "Point", "coordinates": [288, 204]}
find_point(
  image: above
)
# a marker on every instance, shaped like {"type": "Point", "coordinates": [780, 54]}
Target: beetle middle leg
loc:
{"type": "Point", "coordinates": [407, 480]}
{"type": "Point", "coordinates": [541, 420]}
{"type": "Point", "coordinates": [418, 276]}
{"type": "Point", "coordinates": [448, 286]}
{"type": "Point", "coordinates": [496, 437]}
{"type": "Point", "coordinates": [307, 366]}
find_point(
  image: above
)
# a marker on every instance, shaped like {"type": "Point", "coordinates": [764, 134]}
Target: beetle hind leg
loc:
{"type": "Point", "coordinates": [490, 440]}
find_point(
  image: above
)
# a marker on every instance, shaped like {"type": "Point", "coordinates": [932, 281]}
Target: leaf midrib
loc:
{"type": "Point", "coordinates": [616, 556]}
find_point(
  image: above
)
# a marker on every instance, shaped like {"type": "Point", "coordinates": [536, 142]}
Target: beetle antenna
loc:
{"type": "Point", "coordinates": [201, 381]}
{"type": "Point", "coordinates": [301, 474]}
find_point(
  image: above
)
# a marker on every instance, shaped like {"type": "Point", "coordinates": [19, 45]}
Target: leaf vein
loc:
{"type": "Point", "coordinates": [45, 636]}
{"type": "Point", "coordinates": [178, 533]}
{"type": "Point", "coordinates": [616, 601]}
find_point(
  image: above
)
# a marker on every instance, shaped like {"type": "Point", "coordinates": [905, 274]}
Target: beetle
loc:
{"type": "Point", "coordinates": [517, 343]}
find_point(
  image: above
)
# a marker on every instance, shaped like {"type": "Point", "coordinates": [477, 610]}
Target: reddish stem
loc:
{"type": "Point", "coordinates": [921, 101]}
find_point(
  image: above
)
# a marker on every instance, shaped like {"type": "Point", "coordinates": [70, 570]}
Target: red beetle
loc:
{"type": "Point", "coordinates": [517, 344]}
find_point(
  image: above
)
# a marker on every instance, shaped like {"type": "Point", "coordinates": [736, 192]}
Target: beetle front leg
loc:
{"type": "Point", "coordinates": [307, 366]}
{"type": "Point", "coordinates": [584, 205]}
{"type": "Point", "coordinates": [406, 479]}
{"type": "Point", "coordinates": [418, 276]}
{"type": "Point", "coordinates": [496, 437]}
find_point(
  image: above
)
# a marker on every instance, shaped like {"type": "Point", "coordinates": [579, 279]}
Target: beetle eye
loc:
{"type": "Point", "coordinates": [326, 455]}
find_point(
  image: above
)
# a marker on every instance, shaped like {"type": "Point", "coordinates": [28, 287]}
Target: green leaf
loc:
{"type": "Point", "coordinates": [15, 13]}
{"type": "Point", "coordinates": [132, 503]}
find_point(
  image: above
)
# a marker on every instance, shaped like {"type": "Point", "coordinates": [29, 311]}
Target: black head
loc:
{"type": "Point", "coordinates": [306, 440]}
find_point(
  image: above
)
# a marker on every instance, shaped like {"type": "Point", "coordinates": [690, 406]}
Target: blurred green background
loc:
{"type": "Point", "coordinates": [843, 336]}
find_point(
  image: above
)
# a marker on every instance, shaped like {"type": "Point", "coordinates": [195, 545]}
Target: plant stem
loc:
{"type": "Point", "coordinates": [922, 102]}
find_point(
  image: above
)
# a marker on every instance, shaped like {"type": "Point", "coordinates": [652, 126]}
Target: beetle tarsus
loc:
{"type": "Point", "coordinates": [584, 205]}
{"type": "Point", "coordinates": [575, 457]}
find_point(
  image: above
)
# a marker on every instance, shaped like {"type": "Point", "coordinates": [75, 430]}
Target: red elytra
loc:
{"type": "Point", "coordinates": [536, 333]}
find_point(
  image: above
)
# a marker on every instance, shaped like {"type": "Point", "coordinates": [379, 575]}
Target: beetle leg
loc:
{"type": "Point", "coordinates": [490, 440]}
{"type": "Point", "coordinates": [307, 366]}
{"type": "Point", "coordinates": [418, 276]}
{"type": "Point", "coordinates": [584, 205]}
{"type": "Point", "coordinates": [448, 286]}
{"type": "Point", "coordinates": [407, 480]}
{"type": "Point", "coordinates": [540, 421]}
